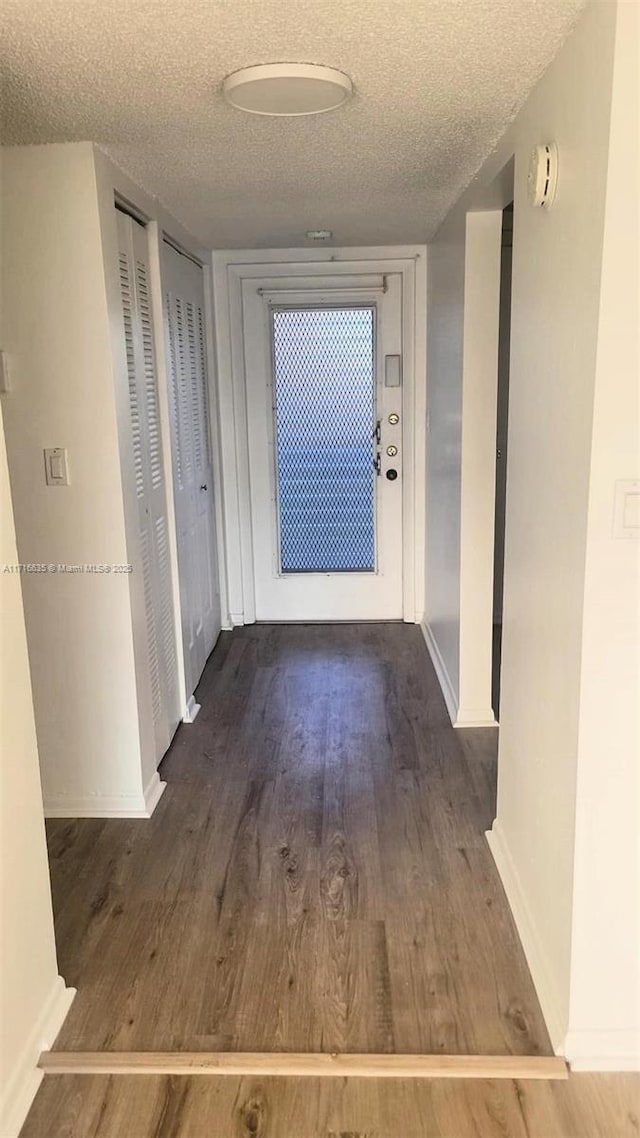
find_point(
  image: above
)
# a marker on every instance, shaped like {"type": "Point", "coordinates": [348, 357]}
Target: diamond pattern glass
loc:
{"type": "Point", "coordinates": [325, 418]}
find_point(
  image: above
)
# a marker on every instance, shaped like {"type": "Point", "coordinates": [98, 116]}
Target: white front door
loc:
{"type": "Point", "coordinates": [192, 460]}
{"type": "Point", "coordinates": [324, 408]}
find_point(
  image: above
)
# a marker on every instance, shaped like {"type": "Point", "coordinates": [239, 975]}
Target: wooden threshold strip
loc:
{"type": "Point", "coordinates": [316, 1064]}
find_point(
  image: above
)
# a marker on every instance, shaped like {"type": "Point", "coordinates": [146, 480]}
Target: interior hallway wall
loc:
{"type": "Point", "coordinates": [477, 465]}
{"type": "Point", "coordinates": [55, 330]}
{"type": "Point", "coordinates": [605, 975]}
{"type": "Point", "coordinates": [33, 998]}
{"type": "Point", "coordinates": [557, 260]}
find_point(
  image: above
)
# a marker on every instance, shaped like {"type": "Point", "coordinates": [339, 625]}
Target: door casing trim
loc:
{"type": "Point", "coordinates": [231, 269]}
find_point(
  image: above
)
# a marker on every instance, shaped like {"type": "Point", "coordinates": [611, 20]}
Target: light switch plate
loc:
{"type": "Point", "coordinates": [55, 466]}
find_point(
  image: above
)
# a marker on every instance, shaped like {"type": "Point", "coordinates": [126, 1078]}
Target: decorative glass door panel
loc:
{"type": "Point", "coordinates": [324, 396]}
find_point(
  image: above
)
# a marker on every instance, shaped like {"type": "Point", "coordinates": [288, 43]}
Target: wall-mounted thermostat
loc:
{"type": "Point", "coordinates": [542, 179]}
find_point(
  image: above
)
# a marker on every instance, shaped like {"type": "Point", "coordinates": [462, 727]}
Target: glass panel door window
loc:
{"type": "Point", "coordinates": [325, 416]}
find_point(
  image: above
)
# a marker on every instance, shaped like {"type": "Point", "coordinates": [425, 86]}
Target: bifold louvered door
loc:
{"type": "Point", "coordinates": [151, 558]}
{"type": "Point", "coordinates": [192, 459]}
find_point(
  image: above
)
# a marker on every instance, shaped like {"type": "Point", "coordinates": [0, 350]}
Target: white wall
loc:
{"type": "Point", "coordinates": [555, 294]}
{"type": "Point", "coordinates": [445, 333]}
{"type": "Point", "coordinates": [605, 972]}
{"type": "Point", "coordinates": [55, 329]}
{"type": "Point", "coordinates": [557, 264]}
{"type": "Point", "coordinates": [33, 998]}
{"type": "Point", "coordinates": [62, 329]}
{"type": "Point", "coordinates": [502, 412]}
{"type": "Point", "coordinates": [483, 240]}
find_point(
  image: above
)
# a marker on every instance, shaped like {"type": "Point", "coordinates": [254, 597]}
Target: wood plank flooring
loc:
{"type": "Point", "coordinates": [315, 877]}
{"type": "Point", "coordinates": [153, 1106]}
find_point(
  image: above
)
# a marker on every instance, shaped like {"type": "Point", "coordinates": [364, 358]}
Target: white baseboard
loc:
{"type": "Point", "coordinates": [534, 951]}
{"type": "Point", "coordinates": [450, 697]}
{"type": "Point", "coordinates": [191, 710]}
{"type": "Point", "coordinates": [475, 717]}
{"type": "Point", "coordinates": [603, 1050]}
{"type": "Point", "coordinates": [106, 806]}
{"type": "Point", "coordinates": [25, 1078]}
{"type": "Point", "coordinates": [154, 790]}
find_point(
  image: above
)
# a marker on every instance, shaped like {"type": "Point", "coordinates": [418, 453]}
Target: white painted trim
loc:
{"type": "Point", "coordinates": [475, 717]}
{"type": "Point", "coordinates": [303, 257]}
{"type": "Point", "coordinates": [216, 434]}
{"type": "Point", "coordinates": [191, 710]}
{"type": "Point", "coordinates": [420, 433]}
{"type": "Point", "coordinates": [442, 674]}
{"type": "Point", "coordinates": [541, 972]}
{"type": "Point", "coordinates": [24, 1080]}
{"type": "Point", "coordinates": [154, 790]}
{"type": "Point", "coordinates": [603, 1050]}
{"type": "Point", "coordinates": [107, 806]}
{"type": "Point", "coordinates": [230, 269]}
{"type": "Point", "coordinates": [483, 237]}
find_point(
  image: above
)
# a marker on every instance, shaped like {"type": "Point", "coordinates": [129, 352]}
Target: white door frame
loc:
{"type": "Point", "coordinates": [232, 271]}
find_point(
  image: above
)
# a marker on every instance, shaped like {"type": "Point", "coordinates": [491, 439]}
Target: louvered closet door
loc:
{"type": "Point", "coordinates": [152, 559]}
{"type": "Point", "coordinates": [192, 460]}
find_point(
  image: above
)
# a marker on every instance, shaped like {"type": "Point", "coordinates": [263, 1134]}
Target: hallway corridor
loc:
{"type": "Point", "coordinates": [316, 876]}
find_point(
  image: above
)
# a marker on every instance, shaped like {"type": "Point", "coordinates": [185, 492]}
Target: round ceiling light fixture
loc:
{"type": "Point", "coordinates": [287, 89]}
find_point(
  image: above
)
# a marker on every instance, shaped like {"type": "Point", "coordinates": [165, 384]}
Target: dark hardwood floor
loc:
{"type": "Point", "coordinates": [315, 877]}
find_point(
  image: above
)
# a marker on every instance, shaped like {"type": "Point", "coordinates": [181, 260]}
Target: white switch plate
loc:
{"type": "Point", "coordinates": [55, 466]}
{"type": "Point", "coordinates": [626, 510]}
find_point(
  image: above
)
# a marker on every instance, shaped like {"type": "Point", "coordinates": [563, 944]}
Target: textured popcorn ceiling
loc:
{"type": "Point", "coordinates": [436, 83]}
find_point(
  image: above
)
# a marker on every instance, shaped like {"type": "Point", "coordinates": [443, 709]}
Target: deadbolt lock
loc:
{"type": "Point", "coordinates": [392, 451]}
{"type": "Point", "coordinates": [394, 418]}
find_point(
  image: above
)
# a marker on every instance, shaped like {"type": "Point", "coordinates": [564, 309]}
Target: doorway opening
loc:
{"type": "Point", "coordinates": [327, 417]}
{"type": "Point", "coordinates": [502, 422]}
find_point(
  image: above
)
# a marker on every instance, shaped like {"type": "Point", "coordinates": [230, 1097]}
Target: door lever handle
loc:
{"type": "Point", "coordinates": [377, 434]}
{"type": "Point", "coordinates": [377, 464]}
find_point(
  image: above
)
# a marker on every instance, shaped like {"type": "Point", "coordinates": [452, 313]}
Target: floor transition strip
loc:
{"type": "Point", "coordinates": [316, 1064]}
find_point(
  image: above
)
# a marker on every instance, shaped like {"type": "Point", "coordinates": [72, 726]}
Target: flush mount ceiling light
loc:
{"type": "Point", "coordinates": [287, 89]}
